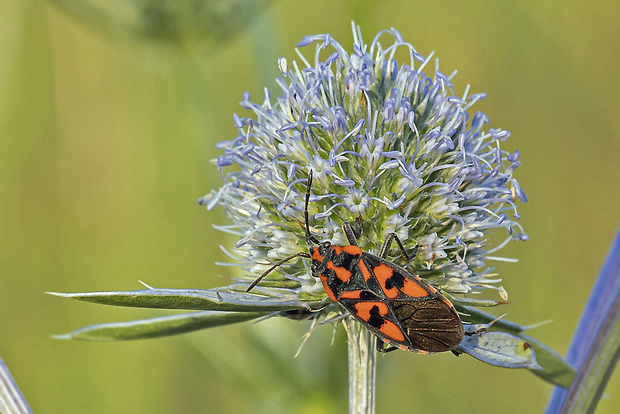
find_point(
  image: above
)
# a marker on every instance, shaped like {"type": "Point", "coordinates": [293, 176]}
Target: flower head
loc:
{"type": "Point", "coordinates": [390, 146]}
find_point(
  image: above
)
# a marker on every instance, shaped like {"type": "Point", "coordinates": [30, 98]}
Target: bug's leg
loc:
{"type": "Point", "coordinates": [357, 227]}
{"type": "Point", "coordinates": [271, 269]}
{"type": "Point", "coordinates": [350, 233]}
{"type": "Point", "coordinates": [384, 348]}
{"type": "Point", "coordinates": [385, 250]}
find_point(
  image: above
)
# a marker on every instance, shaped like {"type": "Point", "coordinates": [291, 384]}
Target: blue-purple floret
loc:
{"type": "Point", "coordinates": [388, 145]}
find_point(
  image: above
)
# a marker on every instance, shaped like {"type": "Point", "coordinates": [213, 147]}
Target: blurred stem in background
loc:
{"type": "Point", "coordinates": [595, 348]}
{"type": "Point", "coordinates": [198, 78]}
{"type": "Point", "coordinates": [167, 20]}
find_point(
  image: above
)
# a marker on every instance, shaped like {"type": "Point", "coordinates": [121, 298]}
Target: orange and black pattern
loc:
{"type": "Point", "coordinates": [398, 307]}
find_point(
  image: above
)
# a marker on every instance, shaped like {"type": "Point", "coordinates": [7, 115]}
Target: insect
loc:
{"type": "Point", "coordinates": [401, 309]}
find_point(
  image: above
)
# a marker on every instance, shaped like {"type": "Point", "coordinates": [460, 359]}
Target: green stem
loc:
{"type": "Point", "coordinates": [362, 367]}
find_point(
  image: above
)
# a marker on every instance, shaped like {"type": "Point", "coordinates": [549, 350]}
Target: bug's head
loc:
{"type": "Point", "coordinates": [320, 255]}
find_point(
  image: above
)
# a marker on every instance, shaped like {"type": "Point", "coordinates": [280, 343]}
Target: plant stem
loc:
{"type": "Point", "coordinates": [362, 367]}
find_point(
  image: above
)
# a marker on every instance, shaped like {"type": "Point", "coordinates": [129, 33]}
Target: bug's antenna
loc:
{"type": "Point", "coordinates": [309, 240]}
{"type": "Point", "coordinates": [309, 237]}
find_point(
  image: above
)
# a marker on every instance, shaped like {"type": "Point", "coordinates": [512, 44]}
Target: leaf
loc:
{"type": "Point", "coordinates": [555, 369]}
{"type": "Point", "coordinates": [474, 302]}
{"type": "Point", "coordinates": [500, 349]}
{"type": "Point", "coordinates": [595, 348]}
{"type": "Point", "coordinates": [158, 327]}
{"type": "Point", "coordinates": [11, 398]}
{"type": "Point", "coordinates": [193, 300]}
{"type": "Point", "coordinates": [477, 316]}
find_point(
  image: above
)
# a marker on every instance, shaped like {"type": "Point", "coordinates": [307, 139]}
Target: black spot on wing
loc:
{"type": "Point", "coordinates": [376, 320]}
{"type": "Point", "coordinates": [397, 280]}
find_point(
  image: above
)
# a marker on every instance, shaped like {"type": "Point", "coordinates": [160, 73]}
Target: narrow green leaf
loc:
{"type": "Point", "coordinates": [11, 398]}
{"type": "Point", "coordinates": [555, 369]}
{"type": "Point", "coordinates": [187, 299]}
{"type": "Point", "coordinates": [158, 327]}
{"type": "Point", "coordinates": [473, 302]}
{"type": "Point", "coordinates": [500, 349]}
{"type": "Point", "coordinates": [476, 316]}
{"type": "Point", "coordinates": [595, 348]}
{"type": "Point", "coordinates": [597, 367]}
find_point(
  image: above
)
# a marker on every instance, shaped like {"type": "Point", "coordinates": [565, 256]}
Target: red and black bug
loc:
{"type": "Point", "coordinates": [401, 309]}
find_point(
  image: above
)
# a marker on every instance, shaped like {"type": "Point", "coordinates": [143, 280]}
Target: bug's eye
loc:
{"type": "Point", "coordinates": [313, 268]}
{"type": "Point", "coordinates": [326, 245]}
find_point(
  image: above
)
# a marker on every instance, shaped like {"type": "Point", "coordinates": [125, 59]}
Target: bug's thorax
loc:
{"type": "Point", "coordinates": [321, 253]}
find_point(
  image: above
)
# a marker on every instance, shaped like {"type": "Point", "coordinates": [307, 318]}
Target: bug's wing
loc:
{"type": "Point", "coordinates": [376, 314]}
{"type": "Point", "coordinates": [431, 325]}
{"type": "Point", "coordinates": [426, 317]}
{"type": "Point", "coordinates": [394, 282]}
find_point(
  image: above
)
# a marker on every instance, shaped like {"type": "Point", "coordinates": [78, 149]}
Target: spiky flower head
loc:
{"type": "Point", "coordinates": [390, 146]}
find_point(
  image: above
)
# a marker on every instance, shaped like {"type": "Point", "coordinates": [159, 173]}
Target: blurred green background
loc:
{"type": "Point", "coordinates": [108, 120]}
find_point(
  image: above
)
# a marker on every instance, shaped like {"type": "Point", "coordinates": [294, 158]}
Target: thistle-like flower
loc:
{"type": "Point", "coordinates": [392, 152]}
{"type": "Point", "coordinates": [390, 147]}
